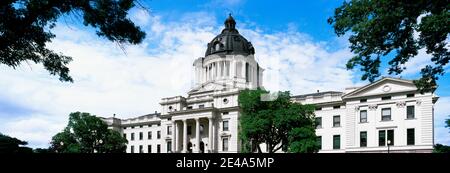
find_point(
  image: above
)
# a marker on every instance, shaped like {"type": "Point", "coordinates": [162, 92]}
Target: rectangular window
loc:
{"type": "Point", "coordinates": [227, 68]}
{"type": "Point", "coordinates": [125, 135]}
{"type": "Point", "coordinates": [363, 116]}
{"type": "Point", "coordinates": [225, 126]}
{"type": "Point", "coordinates": [132, 136]}
{"type": "Point", "coordinates": [141, 149]}
{"type": "Point", "coordinates": [169, 146]}
{"type": "Point", "coordinates": [390, 137]}
{"type": "Point", "coordinates": [363, 100]}
{"type": "Point", "coordinates": [318, 108]}
{"type": "Point", "coordinates": [410, 95]}
{"type": "Point", "coordinates": [336, 107]}
{"type": "Point", "coordinates": [225, 144]}
{"type": "Point", "coordinates": [141, 136]}
{"type": "Point", "coordinates": [382, 138]}
{"type": "Point", "coordinates": [385, 138]}
{"type": "Point", "coordinates": [386, 98]}
{"type": "Point", "coordinates": [158, 148]}
{"type": "Point", "coordinates": [169, 130]}
{"type": "Point", "coordinates": [410, 135]}
{"type": "Point", "coordinates": [318, 122]}
{"type": "Point", "coordinates": [149, 148]}
{"type": "Point", "coordinates": [410, 112]}
{"type": "Point", "coordinates": [336, 142]}
{"type": "Point", "coordinates": [189, 107]}
{"type": "Point", "coordinates": [363, 139]}
{"type": "Point", "coordinates": [132, 149]}
{"type": "Point", "coordinates": [158, 134]}
{"type": "Point", "coordinates": [189, 130]}
{"type": "Point", "coordinates": [149, 135]}
{"type": "Point", "coordinates": [247, 72]}
{"type": "Point", "coordinates": [386, 114]}
{"type": "Point", "coordinates": [319, 142]}
{"type": "Point", "coordinates": [201, 106]}
{"type": "Point", "coordinates": [336, 121]}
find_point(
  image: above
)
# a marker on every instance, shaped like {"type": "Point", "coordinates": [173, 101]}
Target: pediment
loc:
{"type": "Point", "coordinates": [383, 86]}
{"type": "Point", "coordinates": [210, 86]}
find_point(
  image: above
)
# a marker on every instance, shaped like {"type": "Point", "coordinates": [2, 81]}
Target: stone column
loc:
{"type": "Point", "coordinates": [210, 136]}
{"type": "Point", "coordinates": [197, 135]}
{"type": "Point", "coordinates": [185, 140]}
{"type": "Point", "coordinates": [174, 137]}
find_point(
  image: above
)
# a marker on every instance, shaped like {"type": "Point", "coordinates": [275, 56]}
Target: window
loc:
{"type": "Point", "coordinates": [386, 98]}
{"type": "Point", "coordinates": [201, 106]}
{"type": "Point", "coordinates": [247, 72]}
{"type": "Point", "coordinates": [125, 135]}
{"type": "Point", "coordinates": [363, 100]}
{"type": "Point", "coordinates": [410, 112]}
{"type": "Point", "coordinates": [158, 134]}
{"type": "Point", "coordinates": [132, 149]}
{"type": "Point", "coordinates": [141, 126]}
{"type": "Point", "coordinates": [227, 68]}
{"type": "Point", "coordinates": [318, 122]}
{"type": "Point", "coordinates": [141, 136]}
{"type": "Point", "coordinates": [169, 146]}
{"type": "Point", "coordinates": [336, 142]}
{"type": "Point", "coordinates": [336, 121]}
{"type": "Point", "coordinates": [363, 116]}
{"type": "Point", "coordinates": [225, 144]}
{"type": "Point", "coordinates": [169, 130]}
{"type": "Point", "coordinates": [382, 136]}
{"type": "Point", "coordinates": [410, 137]}
{"type": "Point", "coordinates": [390, 137]}
{"type": "Point", "coordinates": [132, 136]}
{"type": "Point", "coordinates": [410, 95]}
{"type": "Point", "coordinates": [319, 142]}
{"type": "Point", "coordinates": [158, 148]}
{"type": "Point", "coordinates": [386, 114]}
{"type": "Point", "coordinates": [189, 107]}
{"type": "Point", "coordinates": [149, 148]}
{"type": "Point", "coordinates": [225, 113]}
{"type": "Point", "coordinates": [336, 107]}
{"type": "Point", "coordinates": [149, 135]}
{"type": "Point", "coordinates": [318, 108]}
{"type": "Point", "coordinates": [141, 149]}
{"type": "Point", "coordinates": [189, 130]}
{"type": "Point", "coordinates": [132, 127]}
{"type": "Point", "coordinates": [225, 126]}
{"type": "Point", "coordinates": [363, 139]}
{"type": "Point", "coordinates": [239, 69]}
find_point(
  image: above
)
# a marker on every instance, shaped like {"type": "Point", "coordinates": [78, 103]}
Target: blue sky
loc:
{"type": "Point", "coordinates": [291, 38]}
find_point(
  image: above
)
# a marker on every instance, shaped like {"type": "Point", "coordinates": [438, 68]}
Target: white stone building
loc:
{"type": "Point", "coordinates": [360, 119]}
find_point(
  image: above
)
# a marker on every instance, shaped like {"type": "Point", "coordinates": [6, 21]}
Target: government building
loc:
{"type": "Point", "coordinates": [388, 115]}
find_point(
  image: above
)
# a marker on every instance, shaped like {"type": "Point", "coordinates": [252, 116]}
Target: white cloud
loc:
{"type": "Point", "coordinates": [131, 83]}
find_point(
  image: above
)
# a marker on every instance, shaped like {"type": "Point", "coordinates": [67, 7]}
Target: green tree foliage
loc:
{"type": "Point", "coordinates": [439, 148]}
{"type": "Point", "coordinates": [280, 123]}
{"type": "Point", "coordinates": [13, 145]}
{"type": "Point", "coordinates": [387, 27]}
{"type": "Point", "coordinates": [25, 29]}
{"type": "Point", "coordinates": [86, 133]}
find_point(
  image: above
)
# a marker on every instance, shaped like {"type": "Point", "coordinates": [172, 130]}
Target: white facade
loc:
{"type": "Point", "coordinates": [207, 119]}
{"type": "Point", "coordinates": [360, 113]}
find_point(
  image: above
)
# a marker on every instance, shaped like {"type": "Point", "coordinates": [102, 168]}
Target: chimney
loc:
{"type": "Point", "coordinates": [317, 91]}
{"type": "Point", "coordinates": [114, 115]}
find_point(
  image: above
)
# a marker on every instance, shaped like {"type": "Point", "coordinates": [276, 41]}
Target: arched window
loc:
{"type": "Point", "coordinates": [217, 46]}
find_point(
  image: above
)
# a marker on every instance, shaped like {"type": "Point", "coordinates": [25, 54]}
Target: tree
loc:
{"type": "Point", "coordinates": [280, 124]}
{"type": "Point", "coordinates": [25, 29]}
{"type": "Point", "coordinates": [379, 28]}
{"type": "Point", "coordinates": [86, 133]}
{"type": "Point", "coordinates": [13, 145]}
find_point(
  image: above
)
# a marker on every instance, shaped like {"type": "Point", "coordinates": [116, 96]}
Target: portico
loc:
{"type": "Point", "coordinates": [187, 140]}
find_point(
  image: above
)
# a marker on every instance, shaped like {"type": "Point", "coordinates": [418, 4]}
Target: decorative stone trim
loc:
{"type": "Point", "coordinates": [401, 104]}
{"type": "Point", "coordinates": [373, 107]}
